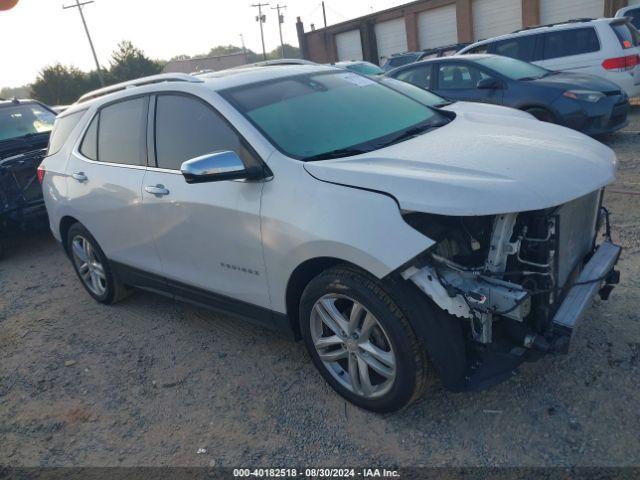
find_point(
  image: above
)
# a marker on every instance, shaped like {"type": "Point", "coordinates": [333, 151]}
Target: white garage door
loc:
{"type": "Point", "coordinates": [496, 17]}
{"type": "Point", "coordinates": [391, 37]}
{"type": "Point", "coordinates": [438, 27]}
{"type": "Point", "coordinates": [634, 2]}
{"type": "Point", "coordinates": [349, 45]}
{"type": "Point", "coordinates": [554, 11]}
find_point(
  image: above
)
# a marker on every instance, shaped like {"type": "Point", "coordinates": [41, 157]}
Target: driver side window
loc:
{"type": "Point", "coordinates": [455, 76]}
{"type": "Point", "coordinates": [187, 128]}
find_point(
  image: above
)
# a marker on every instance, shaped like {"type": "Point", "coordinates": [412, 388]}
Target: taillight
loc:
{"type": "Point", "coordinates": [41, 172]}
{"type": "Point", "coordinates": [621, 63]}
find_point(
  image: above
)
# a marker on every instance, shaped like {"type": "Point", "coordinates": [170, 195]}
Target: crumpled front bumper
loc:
{"type": "Point", "coordinates": [578, 299]}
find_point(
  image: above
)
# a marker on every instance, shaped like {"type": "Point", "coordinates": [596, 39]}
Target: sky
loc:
{"type": "Point", "coordinates": [37, 33]}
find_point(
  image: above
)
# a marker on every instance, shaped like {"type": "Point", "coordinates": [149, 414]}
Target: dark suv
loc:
{"type": "Point", "coordinates": [25, 126]}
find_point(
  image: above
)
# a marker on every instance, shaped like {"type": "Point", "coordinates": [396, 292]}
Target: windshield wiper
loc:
{"type": "Point", "coordinates": [338, 153]}
{"type": "Point", "coordinates": [413, 132]}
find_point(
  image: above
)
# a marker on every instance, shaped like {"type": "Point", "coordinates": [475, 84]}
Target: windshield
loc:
{"type": "Point", "coordinates": [21, 120]}
{"type": "Point", "coordinates": [512, 68]}
{"type": "Point", "coordinates": [365, 68]}
{"type": "Point", "coordinates": [418, 94]}
{"type": "Point", "coordinates": [332, 114]}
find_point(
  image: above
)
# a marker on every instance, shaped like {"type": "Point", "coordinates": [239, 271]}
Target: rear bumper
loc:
{"type": "Point", "coordinates": [580, 296]}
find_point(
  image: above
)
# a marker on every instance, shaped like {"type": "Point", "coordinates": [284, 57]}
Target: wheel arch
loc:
{"type": "Point", "coordinates": [298, 281]}
{"type": "Point", "coordinates": [65, 224]}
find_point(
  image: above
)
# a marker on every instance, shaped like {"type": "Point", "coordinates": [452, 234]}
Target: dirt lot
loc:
{"type": "Point", "coordinates": [149, 382]}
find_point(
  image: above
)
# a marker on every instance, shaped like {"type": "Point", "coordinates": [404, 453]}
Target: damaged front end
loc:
{"type": "Point", "coordinates": [518, 282]}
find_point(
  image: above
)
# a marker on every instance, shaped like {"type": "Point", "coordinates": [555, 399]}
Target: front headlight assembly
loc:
{"type": "Point", "coordinates": [584, 95]}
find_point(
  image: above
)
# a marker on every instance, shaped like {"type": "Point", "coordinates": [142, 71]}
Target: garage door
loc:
{"type": "Point", "coordinates": [391, 37]}
{"type": "Point", "coordinates": [554, 11]}
{"type": "Point", "coordinates": [349, 45]}
{"type": "Point", "coordinates": [438, 27]}
{"type": "Point", "coordinates": [495, 17]}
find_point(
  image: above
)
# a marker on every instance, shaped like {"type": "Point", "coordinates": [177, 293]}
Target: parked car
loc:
{"type": "Point", "coordinates": [607, 47]}
{"type": "Point", "coordinates": [396, 240]}
{"type": "Point", "coordinates": [586, 103]}
{"type": "Point", "coordinates": [436, 101]}
{"type": "Point", "coordinates": [632, 13]}
{"type": "Point", "coordinates": [25, 126]}
{"type": "Point", "coordinates": [401, 59]}
{"type": "Point", "coordinates": [365, 68]}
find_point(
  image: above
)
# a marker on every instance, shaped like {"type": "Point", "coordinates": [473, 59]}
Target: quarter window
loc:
{"type": "Point", "coordinates": [187, 128]}
{"type": "Point", "coordinates": [62, 128]}
{"type": "Point", "coordinates": [89, 147]}
{"type": "Point", "coordinates": [122, 136]}
{"type": "Point", "coordinates": [565, 43]}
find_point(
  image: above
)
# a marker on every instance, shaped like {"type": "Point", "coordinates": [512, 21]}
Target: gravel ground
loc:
{"type": "Point", "coordinates": [150, 382]}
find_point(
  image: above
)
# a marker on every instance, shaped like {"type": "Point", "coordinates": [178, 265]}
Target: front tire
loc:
{"type": "Point", "coordinates": [92, 267]}
{"type": "Point", "coordinates": [360, 340]}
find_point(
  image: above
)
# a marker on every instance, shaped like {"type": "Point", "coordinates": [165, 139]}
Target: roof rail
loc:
{"type": "Point", "coordinates": [548, 25]}
{"type": "Point", "coordinates": [139, 82]}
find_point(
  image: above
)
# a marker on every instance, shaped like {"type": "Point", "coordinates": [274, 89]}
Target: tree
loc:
{"type": "Point", "coordinates": [289, 52]}
{"type": "Point", "coordinates": [17, 92]}
{"type": "Point", "coordinates": [129, 62]}
{"type": "Point", "coordinates": [59, 85]}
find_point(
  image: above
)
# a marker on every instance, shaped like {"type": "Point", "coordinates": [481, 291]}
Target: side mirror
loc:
{"type": "Point", "coordinates": [219, 166]}
{"type": "Point", "coordinates": [489, 84]}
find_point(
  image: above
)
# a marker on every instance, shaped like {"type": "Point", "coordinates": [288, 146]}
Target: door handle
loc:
{"type": "Point", "coordinates": [79, 176]}
{"type": "Point", "coordinates": [157, 190]}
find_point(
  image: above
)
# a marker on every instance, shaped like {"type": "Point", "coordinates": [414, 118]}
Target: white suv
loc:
{"type": "Point", "coordinates": [395, 239]}
{"type": "Point", "coordinates": [607, 47]}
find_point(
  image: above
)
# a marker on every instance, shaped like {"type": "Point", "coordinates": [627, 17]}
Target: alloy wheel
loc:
{"type": "Point", "coordinates": [353, 346]}
{"type": "Point", "coordinates": [89, 267]}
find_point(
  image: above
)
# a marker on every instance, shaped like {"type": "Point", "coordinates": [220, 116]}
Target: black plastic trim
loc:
{"type": "Point", "coordinates": [254, 314]}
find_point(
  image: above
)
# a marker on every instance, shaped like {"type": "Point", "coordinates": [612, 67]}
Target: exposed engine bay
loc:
{"type": "Point", "coordinates": [516, 270]}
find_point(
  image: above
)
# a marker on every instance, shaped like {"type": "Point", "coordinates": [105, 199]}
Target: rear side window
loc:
{"type": "Point", "coordinates": [627, 34]}
{"type": "Point", "coordinates": [565, 43]}
{"type": "Point", "coordinates": [62, 128]}
{"type": "Point", "coordinates": [418, 76]}
{"type": "Point", "coordinates": [520, 48]}
{"type": "Point", "coordinates": [484, 48]}
{"type": "Point", "coordinates": [122, 133]}
{"type": "Point", "coordinates": [89, 147]}
{"type": "Point", "coordinates": [187, 128]}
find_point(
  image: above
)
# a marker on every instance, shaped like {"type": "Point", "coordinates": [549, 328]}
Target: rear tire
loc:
{"type": "Point", "coordinates": [360, 340]}
{"type": "Point", "coordinates": [92, 267]}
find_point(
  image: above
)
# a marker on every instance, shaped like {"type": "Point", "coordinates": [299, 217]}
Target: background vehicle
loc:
{"type": "Point", "coordinates": [582, 102]}
{"type": "Point", "coordinates": [329, 206]}
{"type": "Point", "coordinates": [25, 126]}
{"type": "Point", "coordinates": [632, 13]}
{"type": "Point", "coordinates": [607, 47]}
{"type": "Point", "coordinates": [432, 100]}
{"type": "Point", "coordinates": [365, 68]}
{"type": "Point", "coordinates": [401, 59]}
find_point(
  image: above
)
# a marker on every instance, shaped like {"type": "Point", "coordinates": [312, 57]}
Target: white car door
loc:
{"type": "Point", "coordinates": [105, 182]}
{"type": "Point", "coordinates": [207, 234]}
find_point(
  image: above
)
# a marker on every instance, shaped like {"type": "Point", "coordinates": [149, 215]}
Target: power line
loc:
{"type": "Point", "coordinates": [79, 6]}
{"type": "Point", "coordinates": [279, 7]}
{"type": "Point", "coordinates": [260, 19]}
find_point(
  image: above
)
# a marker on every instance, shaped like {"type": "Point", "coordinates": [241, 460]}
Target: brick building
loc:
{"type": "Point", "coordinates": [433, 23]}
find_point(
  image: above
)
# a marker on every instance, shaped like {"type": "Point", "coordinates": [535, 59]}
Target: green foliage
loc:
{"type": "Point", "coordinates": [129, 62]}
{"type": "Point", "coordinates": [59, 84]}
{"type": "Point", "coordinates": [18, 92]}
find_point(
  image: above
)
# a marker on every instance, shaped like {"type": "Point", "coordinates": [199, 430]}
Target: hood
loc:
{"type": "Point", "coordinates": [576, 81]}
{"type": "Point", "coordinates": [17, 146]}
{"type": "Point", "coordinates": [486, 109]}
{"type": "Point", "coordinates": [479, 165]}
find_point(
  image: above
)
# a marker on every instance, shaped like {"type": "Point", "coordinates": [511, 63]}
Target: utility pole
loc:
{"type": "Point", "coordinates": [324, 15]}
{"type": "Point", "coordinates": [280, 22]}
{"type": "Point", "coordinates": [261, 19]}
{"type": "Point", "coordinates": [244, 49]}
{"type": "Point", "coordinates": [79, 6]}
